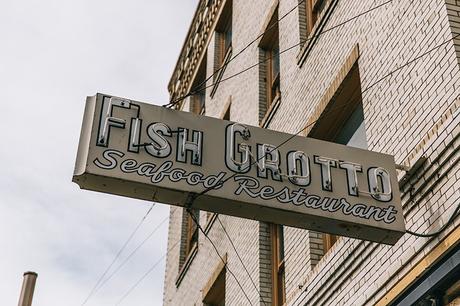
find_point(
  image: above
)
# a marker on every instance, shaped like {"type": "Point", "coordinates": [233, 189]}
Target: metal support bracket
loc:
{"type": "Point", "coordinates": [410, 171]}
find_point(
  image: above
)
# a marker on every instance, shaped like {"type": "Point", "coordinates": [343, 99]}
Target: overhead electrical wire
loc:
{"type": "Point", "coordinates": [363, 91]}
{"type": "Point", "coordinates": [197, 223]}
{"type": "Point", "coordinates": [101, 282]}
{"type": "Point", "coordinates": [199, 88]}
{"type": "Point", "coordinates": [194, 196]}
{"type": "Point", "coordinates": [118, 255]}
{"type": "Point", "coordinates": [335, 109]}
{"type": "Point", "coordinates": [285, 50]}
{"type": "Point", "coordinates": [150, 270]}
{"type": "Point", "coordinates": [123, 263]}
{"type": "Point", "coordinates": [131, 289]}
{"type": "Point", "coordinates": [190, 202]}
{"type": "Point", "coordinates": [193, 91]}
{"type": "Point", "coordinates": [241, 261]}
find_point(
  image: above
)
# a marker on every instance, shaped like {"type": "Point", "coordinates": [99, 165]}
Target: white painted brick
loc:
{"type": "Point", "coordinates": [399, 112]}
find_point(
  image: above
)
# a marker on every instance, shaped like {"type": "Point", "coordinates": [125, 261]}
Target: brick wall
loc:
{"type": "Point", "coordinates": [413, 112]}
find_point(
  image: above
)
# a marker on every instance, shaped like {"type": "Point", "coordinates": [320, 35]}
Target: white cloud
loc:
{"type": "Point", "coordinates": [53, 54]}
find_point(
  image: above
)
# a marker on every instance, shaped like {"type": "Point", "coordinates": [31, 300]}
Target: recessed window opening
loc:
{"type": "Point", "coordinates": [189, 236]}
{"type": "Point", "coordinates": [342, 122]}
{"type": "Point", "coordinates": [216, 294]}
{"type": "Point", "coordinates": [224, 33]}
{"type": "Point", "coordinates": [278, 265]}
{"type": "Point", "coordinates": [269, 71]}
{"type": "Point", "coordinates": [197, 102]}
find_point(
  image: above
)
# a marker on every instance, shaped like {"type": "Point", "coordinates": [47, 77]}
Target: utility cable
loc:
{"type": "Point", "coordinates": [333, 109]}
{"type": "Point", "coordinates": [336, 109]}
{"type": "Point", "coordinates": [94, 289]}
{"type": "Point", "coordinates": [197, 223]}
{"type": "Point", "coordinates": [456, 212]}
{"type": "Point", "coordinates": [146, 274]}
{"type": "Point", "coordinates": [193, 217]}
{"type": "Point", "coordinates": [194, 196]}
{"type": "Point", "coordinates": [241, 261]}
{"type": "Point", "coordinates": [442, 229]}
{"type": "Point", "coordinates": [214, 246]}
{"type": "Point", "coordinates": [288, 49]}
{"type": "Point", "coordinates": [198, 86]}
{"type": "Point", "coordinates": [123, 263]}
{"type": "Point", "coordinates": [178, 100]}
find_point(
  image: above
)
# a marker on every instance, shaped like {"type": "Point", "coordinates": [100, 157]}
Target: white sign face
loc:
{"type": "Point", "coordinates": [153, 153]}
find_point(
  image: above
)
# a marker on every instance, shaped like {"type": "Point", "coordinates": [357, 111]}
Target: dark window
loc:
{"type": "Point", "coordinates": [343, 122]}
{"type": "Point", "coordinates": [312, 8]}
{"type": "Point", "coordinates": [270, 71]}
{"type": "Point", "coordinates": [189, 235]}
{"type": "Point", "coordinates": [224, 34]}
{"type": "Point", "coordinates": [197, 100]}
{"type": "Point", "coordinates": [216, 295]}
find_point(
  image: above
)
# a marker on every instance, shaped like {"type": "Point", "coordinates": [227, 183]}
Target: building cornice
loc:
{"type": "Point", "coordinates": [194, 46]}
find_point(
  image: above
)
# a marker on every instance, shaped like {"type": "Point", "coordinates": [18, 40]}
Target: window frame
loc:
{"type": "Point", "coordinates": [273, 78]}
{"type": "Point", "coordinates": [216, 282]}
{"type": "Point", "coordinates": [311, 14]}
{"type": "Point", "coordinates": [310, 26]}
{"type": "Point", "coordinates": [198, 99]}
{"type": "Point", "coordinates": [189, 243]}
{"type": "Point", "coordinates": [350, 81]}
{"type": "Point", "coordinates": [192, 234]}
{"type": "Point", "coordinates": [278, 265]}
{"type": "Point", "coordinates": [270, 71]}
{"type": "Point", "coordinates": [222, 47]}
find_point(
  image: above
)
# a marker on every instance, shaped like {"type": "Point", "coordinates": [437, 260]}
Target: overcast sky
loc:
{"type": "Point", "coordinates": [52, 55]}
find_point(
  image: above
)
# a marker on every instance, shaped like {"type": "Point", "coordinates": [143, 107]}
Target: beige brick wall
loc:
{"type": "Point", "coordinates": [415, 111]}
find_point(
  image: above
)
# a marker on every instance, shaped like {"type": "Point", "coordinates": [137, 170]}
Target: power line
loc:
{"type": "Point", "coordinates": [197, 87]}
{"type": "Point", "coordinates": [375, 83]}
{"type": "Point", "coordinates": [132, 253]}
{"type": "Point", "coordinates": [439, 231]}
{"type": "Point", "coordinates": [327, 112]}
{"type": "Point", "coordinates": [456, 212]}
{"type": "Point", "coordinates": [278, 146]}
{"type": "Point", "coordinates": [241, 261]}
{"type": "Point", "coordinates": [117, 255]}
{"type": "Point", "coordinates": [193, 217]}
{"type": "Point", "coordinates": [178, 100]}
{"type": "Point", "coordinates": [156, 263]}
{"type": "Point", "coordinates": [146, 274]}
{"type": "Point", "coordinates": [194, 196]}
{"type": "Point", "coordinates": [131, 289]}
{"type": "Point", "coordinates": [333, 109]}
{"type": "Point", "coordinates": [189, 205]}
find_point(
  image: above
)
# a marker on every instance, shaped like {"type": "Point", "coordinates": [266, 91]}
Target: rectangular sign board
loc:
{"type": "Point", "coordinates": [157, 154]}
